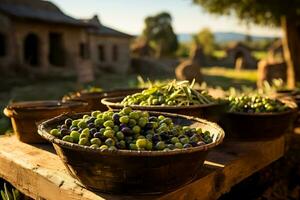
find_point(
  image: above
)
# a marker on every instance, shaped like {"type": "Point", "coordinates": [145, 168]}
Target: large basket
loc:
{"type": "Point", "coordinates": [212, 112]}
{"type": "Point", "coordinates": [257, 126]}
{"type": "Point", "coordinates": [25, 115]}
{"type": "Point", "coordinates": [133, 172]}
{"type": "Point", "coordinates": [94, 98]}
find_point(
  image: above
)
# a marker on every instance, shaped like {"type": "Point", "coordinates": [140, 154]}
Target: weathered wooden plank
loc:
{"type": "Point", "coordinates": [39, 173]}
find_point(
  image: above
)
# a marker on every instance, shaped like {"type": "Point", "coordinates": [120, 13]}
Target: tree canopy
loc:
{"type": "Point", "coordinates": [205, 38]}
{"type": "Point", "coordinates": [159, 33]}
{"type": "Point", "coordinates": [260, 12]}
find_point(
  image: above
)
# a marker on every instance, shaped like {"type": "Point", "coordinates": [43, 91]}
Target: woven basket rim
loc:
{"type": "Point", "coordinates": [43, 130]}
{"type": "Point", "coordinates": [110, 102]}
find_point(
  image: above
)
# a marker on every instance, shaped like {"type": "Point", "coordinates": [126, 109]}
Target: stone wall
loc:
{"type": "Point", "coordinates": [71, 38]}
{"type": "Point", "coordinates": [121, 65]}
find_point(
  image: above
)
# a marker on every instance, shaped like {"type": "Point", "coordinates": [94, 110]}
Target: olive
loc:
{"type": "Point", "coordinates": [141, 143]}
{"type": "Point", "coordinates": [110, 142]}
{"type": "Point", "coordinates": [164, 136]}
{"type": "Point", "coordinates": [120, 135]}
{"type": "Point", "coordinates": [127, 110]}
{"type": "Point", "coordinates": [156, 138]}
{"type": "Point", "coordinates": [103, 147]}
{"type": "Point", "coordinates": [98, 122]}
{"type": "Point", "coordinates": [133, 146]}
{"type": "Point", "coordinates": [149, 125]}
{"type": "Point", "coordinates": [55, 132]}
{"type": "Point", "coordinates": [184, 140]}
{"type": "Point", "coordinates": [187, 146]}
{"type": "Point", "coordinates": [174, 140]}
{"type": "Point", "coordinates": [149, 145]}
{"type": "Point", "coordinates": [136, 129]}
{"type": "Point", "coordinates": [109, 123]}
{"type": "Point", "coordinates": [108, 133]}
{"type": "Point", "coordinates": [83, 141]}
{"type": "Point", "coordinates": [152, 119]}
{"type": "Point", "coordinates": [127, 131]}
{"type": "Point", "coordinates": [160, 145]}
{"type": "Point", "coordinates": [200, 143]}
{"type": "Point", "coordinates": [82, 124]}
{"type": "Point", "coordinates": [171, 146]}
{"type": "Point", "coordinates": [75, 136]}
{"type": "Point", "coordinates": [91, 120]}
{"type": "Point", "coordinates": [91, 125]}
{"type": "Point", "coordinates": [96, 141]}
{"type": "Point", "coordinates": [121, 144]}
{"type": "Point", "coordinates": [93, 131]}
{"type": "Point", "coordinates": [68, 122]}
{"type": "Point", "coordinates": [64, 132]}
{"type": "Point", "coordinates": [94, 146]}
{"type": "Point", "coordinates": [112, 148]}
{"type": "Point", "coordinates": [67, 138]}
{"type": "Point", "coordinates": [178, 145]}
{"type": "Point", "coordinates": [74, 128]}
{"type": "Point", "coordinates": [116, 118]}
{"type": "Point", "coordinates": [142, 122]}
{"type": "Point", "coordinates": [95, 113]}
{"type": "Point", "coordinates": [131, 123]}
{"type": "Point", "coordinates": [97, 135]}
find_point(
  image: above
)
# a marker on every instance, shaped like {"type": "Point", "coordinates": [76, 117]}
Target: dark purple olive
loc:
{"type": "Point", "coordinates": [116, 118]}
{"type": "Point", "coordinates": [64, 126]}
{"type": "Point", "coordinates": [189, 133]}
{"type": "Point", "coordinates": [65, 131]}
{"type": "Point", "coordinates": [193, 144]}
{"type": "Point", "coordinates": [68, 122]}
{"type": "Point", "coordinates": [187, 146]}
{"type": "Point", "coordinates": [126, 131]}
{"type": "Point", "coordinates": [91, 120]}
{"type": "Point", "coordinates": [93, 131]}
{"type": "Point", "coordinates": [164, 136]}
{"type": "Point", "coordinates": [97, 135]}
{"type": "Point", "coordinates": [74, 128]}
{"type": "Point", "coordinates": [122, 126]}
{"type": "Point", "coordinates": [156, 138]}
{"type": "Point", "coordinates": [181, 136]}
{"type": "Point", "coordinates": [148, 126]}
{"type": "Point", "coordinates": [200, 143]}
{"type": "Point", "coordinates": [91, 125]}
{"type": "Point", "coordinates": [152, 119]}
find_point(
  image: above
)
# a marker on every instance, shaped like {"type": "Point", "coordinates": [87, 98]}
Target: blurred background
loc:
{"type": "Point", "coordinates": [51, 48]}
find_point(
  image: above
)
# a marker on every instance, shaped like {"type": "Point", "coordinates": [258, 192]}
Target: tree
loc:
{"type": "Point", "coordinates": [206, 40]}
{"type": "Point", "coordinates": [276, 12]}
{"type": "Point", "coordinates": [159, 33]}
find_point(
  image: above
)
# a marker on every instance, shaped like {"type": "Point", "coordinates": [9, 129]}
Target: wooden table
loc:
{"type": "Point", "coordinates": [38, 172]}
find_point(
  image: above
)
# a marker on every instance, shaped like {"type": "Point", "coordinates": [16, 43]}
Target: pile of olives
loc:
{"type": "Point", "coordinates": [128, 129]}
{"type": "Point", "coordinates": [174, 93]}
{"type": "Point", "coordinates": [256, 104]}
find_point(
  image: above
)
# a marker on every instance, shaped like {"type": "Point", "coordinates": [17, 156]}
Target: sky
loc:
{"type": "Point", "coordinates": [129, 15]}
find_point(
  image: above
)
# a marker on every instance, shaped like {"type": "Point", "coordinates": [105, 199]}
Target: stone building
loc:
{"type": "Point", "coordinates": [240, 56]}
{"type": "Point", "coordinates": [109, 48]}
{"type": "Point", "coordinates": [37, 36]}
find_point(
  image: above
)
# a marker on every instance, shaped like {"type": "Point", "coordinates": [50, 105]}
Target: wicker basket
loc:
{"type": "Point", "coordinates": [133, 172]}
{"type": "Point", "coordinates": [257, 126]}
{"type": "Point", "coordinates": [25, 115]}
{"type": "Point", "coordinates": [212, 112]}
{"type": "Point", "coordinates": [94, 98]}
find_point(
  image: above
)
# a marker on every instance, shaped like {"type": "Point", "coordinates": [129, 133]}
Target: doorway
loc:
{"type": "Point", "coordinates": [31, 49]}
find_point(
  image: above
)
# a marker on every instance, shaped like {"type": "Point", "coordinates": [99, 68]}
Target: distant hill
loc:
{"type": "Point", "coordinates": [223, 37]}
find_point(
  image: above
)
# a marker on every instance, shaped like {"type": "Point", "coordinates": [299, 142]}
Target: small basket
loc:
{"type": "Point", "coordinates": [94, 98]}
{"type": "Point", "coordinates": [212, 112]}
{"type": "Point", "coordinates": [133, 172]}
{"type": "Point", "coordinates": [25, 115]}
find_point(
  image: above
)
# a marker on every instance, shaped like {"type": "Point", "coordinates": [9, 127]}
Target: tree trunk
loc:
{"type": "Point", "coordinates": [291, 49]}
